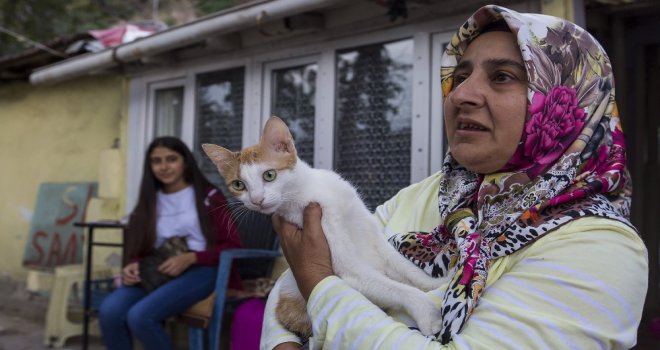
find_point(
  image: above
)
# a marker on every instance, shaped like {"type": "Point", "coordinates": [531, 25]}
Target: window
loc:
{"type": "Point", "coordinates": [368, 106]}
{"type": "Point", "coordinates": [168, 111]}
{"type": "Point", "coordinates": [293, 99]}
{"type": "Point", "coordinates": [219, 115]}
{"type": "Point", "coordinates": [373, 118]}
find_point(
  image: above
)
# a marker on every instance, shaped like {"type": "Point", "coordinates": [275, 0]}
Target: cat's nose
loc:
{"type": "Point", "coordinates": [258, 201]}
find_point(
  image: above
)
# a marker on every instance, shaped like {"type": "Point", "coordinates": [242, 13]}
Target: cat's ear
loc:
{"type": "Point", "coordinates": [277, 137]}
{"type": "Point", "coordinates": [221, 157]}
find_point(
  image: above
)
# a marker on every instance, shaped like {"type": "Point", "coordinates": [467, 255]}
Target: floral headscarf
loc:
{"type": "Point", "coordinates": [569, 164]}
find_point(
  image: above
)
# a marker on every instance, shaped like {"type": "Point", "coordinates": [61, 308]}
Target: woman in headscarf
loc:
{"type": "Point", "coordinates": [532, 235]}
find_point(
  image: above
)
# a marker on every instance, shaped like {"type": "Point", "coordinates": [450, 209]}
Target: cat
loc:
{"type": "Point", "coordinates": [269, 178]}
{"type": "Point", "coordinates": [150, 277]}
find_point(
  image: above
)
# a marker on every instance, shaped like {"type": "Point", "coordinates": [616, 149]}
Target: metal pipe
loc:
{"type": "Point", "coordinates": [180, 36]}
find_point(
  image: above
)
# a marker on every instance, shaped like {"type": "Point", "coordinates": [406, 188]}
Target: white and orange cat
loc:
{"type": "Point", "coordinates": [269, 178]}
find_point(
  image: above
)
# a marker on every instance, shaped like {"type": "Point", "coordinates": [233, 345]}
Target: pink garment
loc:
{"type": "Point", "coordinates": [120, 34]}
{"type": "Point", "coordinates": [246, 325]}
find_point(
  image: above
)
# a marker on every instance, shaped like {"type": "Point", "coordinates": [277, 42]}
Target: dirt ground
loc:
{"type": "Point", "coordinates": [19, 333]}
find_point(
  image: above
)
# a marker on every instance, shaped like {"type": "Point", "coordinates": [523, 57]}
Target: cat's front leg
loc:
{"type": "Point", "coordinates": [387, 293]}
{"type": "Point", "coordinates": [421, 279]}
{"type": "Point", "coordinates": [401, 269]}
{"type": "Point", "coordinates": [291, 309]}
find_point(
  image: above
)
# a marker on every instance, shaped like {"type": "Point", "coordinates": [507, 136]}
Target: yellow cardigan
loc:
{"type": "Point", "coordinates": [579, 287]}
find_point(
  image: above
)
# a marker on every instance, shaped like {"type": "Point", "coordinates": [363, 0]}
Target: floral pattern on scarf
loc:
{"type": "Point", "coordinates": [569, 164]}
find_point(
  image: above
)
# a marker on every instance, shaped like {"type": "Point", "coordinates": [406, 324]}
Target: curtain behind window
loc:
{"type": "Point", "coordinates": [168, 112]}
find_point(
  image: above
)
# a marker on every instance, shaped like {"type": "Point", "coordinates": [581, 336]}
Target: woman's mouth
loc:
{"type": "Point", "coordinates": [470, 126]}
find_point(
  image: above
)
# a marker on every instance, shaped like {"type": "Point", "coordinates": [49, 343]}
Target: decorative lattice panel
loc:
{"type": "Point", "coordinates": [373, 119]}
{"type": "Point", "coordinates": [293, 94]}
{"type": "Point", "coordinates": [219, 118]}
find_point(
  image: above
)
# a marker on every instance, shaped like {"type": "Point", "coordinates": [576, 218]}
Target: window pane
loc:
{"type": "Point", "coordinates": [219, 115]}
{"type": "Point", "coordinates": [373, 124]}
{"type": "Point", "coordinates": [168, 111]}
{"type": "Point", "coordinates": [293, 93]}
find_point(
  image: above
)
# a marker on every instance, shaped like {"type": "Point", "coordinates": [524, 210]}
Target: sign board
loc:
{"type": "Point", "coordinates": [53, 240]}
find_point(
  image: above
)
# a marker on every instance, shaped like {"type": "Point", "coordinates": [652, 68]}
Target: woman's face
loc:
{"type": "Point", "coordinates": [168, 167]}
{"type": "Point", "coordinates": [485, 111]}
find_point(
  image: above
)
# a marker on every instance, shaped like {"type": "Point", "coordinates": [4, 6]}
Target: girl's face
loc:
{"type": "Point", "coordinates": [168, 167]}
{"type": "Point", "coordinates": [485, 111]}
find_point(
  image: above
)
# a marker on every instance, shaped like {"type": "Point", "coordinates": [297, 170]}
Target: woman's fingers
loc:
{"type": "Point", "coordinates": [175, 265]}
{"type": "Point", "coordinates": [170, 266]}
{"type": "Point", "coordinates": [312, 222]}
{"type": "Point", "coordinates": [131, 274]}
{"type": "Point", "coordinates": [306, 249]}
{"type": "Point", "coordinates": [284, 229]}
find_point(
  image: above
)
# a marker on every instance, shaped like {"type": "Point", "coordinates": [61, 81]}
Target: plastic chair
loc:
{"type": "Point", "coordinates": [59, 327]}
{"type": "Point", "coordinates": [254, 260]}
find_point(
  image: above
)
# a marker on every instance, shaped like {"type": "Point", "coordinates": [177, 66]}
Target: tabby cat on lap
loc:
{"type": "Point", "coordinates": [150, 277]}
{"type": "Point", "coordinates": [269, 178]}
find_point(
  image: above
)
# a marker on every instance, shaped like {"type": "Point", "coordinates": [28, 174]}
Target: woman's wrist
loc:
{"type": "Point", "coordinates": [192, 257]}
{"type": "Point", "coordinates": [309, 281]}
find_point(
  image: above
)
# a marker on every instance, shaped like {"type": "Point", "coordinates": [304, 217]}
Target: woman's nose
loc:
{"type": "Point", "coordinates": [467, 93]}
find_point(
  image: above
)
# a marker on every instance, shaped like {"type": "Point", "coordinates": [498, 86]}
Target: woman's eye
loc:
{"type": "Point", "coordinates": [238, 185]}
{"type": "Point", "coordinates": [459, 78]}
{"type": "Point", "coordinates": [269, 175]}
{"type": "Point", "coordinates": [502, 77]}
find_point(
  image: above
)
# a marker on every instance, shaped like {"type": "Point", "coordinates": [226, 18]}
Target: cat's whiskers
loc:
{"type": "Point", "coordinates": [223, 206]}
{"type": "Point", "coordinates": [233, 207]}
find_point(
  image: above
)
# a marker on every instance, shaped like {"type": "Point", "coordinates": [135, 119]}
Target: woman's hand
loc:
{"type": "Point", "coordinates": [175, 265]}
{"type": "Point", "coordinates": [306, 250]}
{"type": "Point", "coordinates": [131, 274]}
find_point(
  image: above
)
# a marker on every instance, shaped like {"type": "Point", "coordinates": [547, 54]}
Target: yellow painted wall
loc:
{"type": "Point", "coordinates": [51, 134]}
{"type": "Point", "coordinates": [558, 8]}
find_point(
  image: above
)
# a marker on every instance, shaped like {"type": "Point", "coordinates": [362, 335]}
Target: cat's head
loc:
{"type": "Point", "coordinates": [175, 245]}
{"type": "Point", "coordinates": [258, 175]}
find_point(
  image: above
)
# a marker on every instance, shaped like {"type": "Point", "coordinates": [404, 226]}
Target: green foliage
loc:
{"type": "Point", "coordinates": [42, 20]}
{"type": "Point", "coordinates": [206, 7]}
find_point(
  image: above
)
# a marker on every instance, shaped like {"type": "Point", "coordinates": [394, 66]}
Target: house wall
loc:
{"type": "Point", "coordinates": [51, 134]}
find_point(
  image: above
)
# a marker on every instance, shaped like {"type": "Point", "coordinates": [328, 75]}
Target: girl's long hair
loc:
{"type": "Point", "coordinates": [141, 230]}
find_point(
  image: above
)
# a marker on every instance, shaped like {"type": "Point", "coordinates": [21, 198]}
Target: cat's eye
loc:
{"type": "Point", "coordinates": [270, 175]}
{"type": "Point", "coordinates": [238, 185]}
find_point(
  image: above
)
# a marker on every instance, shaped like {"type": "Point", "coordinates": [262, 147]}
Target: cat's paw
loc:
{"type": "Point", "coordinates": [292, 314]}
{"type": "Point", "coordinates": [426, 315]}
{"type": "Point", "coordinates": [429, 324]}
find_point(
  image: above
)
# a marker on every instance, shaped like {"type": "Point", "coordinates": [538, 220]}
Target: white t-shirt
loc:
{"type": "Point", "coordinates": [176, 215]}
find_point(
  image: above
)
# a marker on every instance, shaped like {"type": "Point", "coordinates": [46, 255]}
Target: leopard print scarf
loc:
{"type": "Point", "coordinates": [570, 162]}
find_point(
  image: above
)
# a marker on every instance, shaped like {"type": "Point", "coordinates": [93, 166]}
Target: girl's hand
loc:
{"type": "Point", "coordinates": [175, 265]}
{"type": "Point", "coordinates": [131, 274]}
{"type": "Point", "coordinates": [306, 249]}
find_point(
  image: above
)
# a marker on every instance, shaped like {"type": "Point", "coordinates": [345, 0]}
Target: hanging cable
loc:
{"type": "Point", "coordinates": [23, 38]}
